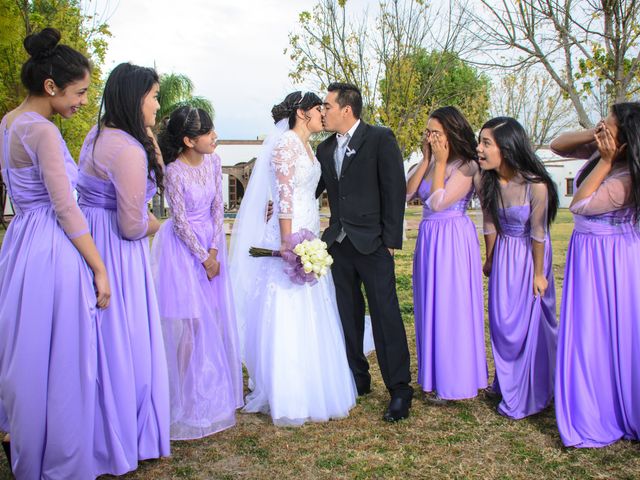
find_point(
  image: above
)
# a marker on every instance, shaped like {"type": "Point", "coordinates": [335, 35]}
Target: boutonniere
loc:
{"type": "Point", "coordinates": [350, 151]}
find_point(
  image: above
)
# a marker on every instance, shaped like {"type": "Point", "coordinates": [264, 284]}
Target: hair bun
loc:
{"type": "Point", "coordinates": [42, 44]}
{"type": "Point", "coordinates": [281, 111]}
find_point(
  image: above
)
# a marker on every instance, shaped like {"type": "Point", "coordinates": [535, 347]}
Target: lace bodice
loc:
{"type": "Point", "coordinates": [195, 198]}
{"type": "Point", "coordinates": [294, 180]}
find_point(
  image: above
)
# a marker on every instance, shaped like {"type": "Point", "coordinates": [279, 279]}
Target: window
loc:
{"type": "Point", "coordinates": [569, 187]}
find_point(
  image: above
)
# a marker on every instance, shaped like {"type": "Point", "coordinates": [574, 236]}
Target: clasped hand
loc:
{"type": "Point", "coordinates": [211, 265]}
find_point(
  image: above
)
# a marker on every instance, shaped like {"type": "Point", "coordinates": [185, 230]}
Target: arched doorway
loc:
{"type": "Point", "coordinates": [236, 192]}
{"type": "Point", "coordinates": [238, 180]}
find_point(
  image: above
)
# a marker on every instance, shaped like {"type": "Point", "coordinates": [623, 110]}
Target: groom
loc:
{"type": "Point", "coordinates": [363, 175]}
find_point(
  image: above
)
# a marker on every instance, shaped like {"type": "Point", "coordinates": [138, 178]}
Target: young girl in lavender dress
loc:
{"type": "Point", "coordinates": [47, 300]}
{"type": "Point", "coordinates": [447, 271]}
{"type": "Point", "coordinates": [119, 170]}
{"type": "Point", "coordinates": [519, 201]}
{"type": "Point", "coordinates": [192, 282]}
{"type": "Point", "coordinates": [597, 394]}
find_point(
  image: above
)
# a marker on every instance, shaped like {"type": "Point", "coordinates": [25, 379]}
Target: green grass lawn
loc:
{"type": "Point", "coordinates": [467, 439]}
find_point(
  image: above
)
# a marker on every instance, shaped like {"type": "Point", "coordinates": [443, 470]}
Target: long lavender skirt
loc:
{"type": "Point", "coordinates": [523, 328]}
{"type": "Point", "coordinates": [201, 339]}
{"type": "Point", "coordinates": [448, 306]}
{"type": "Point", "coordinates": [598, 370]}
{"type": "Point", "coordinates": [132, 415]}
{"type": "Point", "coordinates": [47, 350]}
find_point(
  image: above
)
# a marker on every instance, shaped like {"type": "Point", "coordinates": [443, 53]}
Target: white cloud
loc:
{"type": "Point", "coordinates": [233, 51]}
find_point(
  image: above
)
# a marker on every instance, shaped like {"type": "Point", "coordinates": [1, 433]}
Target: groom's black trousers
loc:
{"type": "Point", "coordinates": [350, 270]}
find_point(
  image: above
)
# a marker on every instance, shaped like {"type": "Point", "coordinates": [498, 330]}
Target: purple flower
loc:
{"type": "Point", "coordinates": [293, 266]}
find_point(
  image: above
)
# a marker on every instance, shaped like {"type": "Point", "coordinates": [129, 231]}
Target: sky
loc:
{"type": "Point", "coordinates": [233, 51]}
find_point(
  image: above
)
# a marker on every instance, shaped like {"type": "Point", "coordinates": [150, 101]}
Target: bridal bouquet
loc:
{"type": "Point", "coordinates": [306, 257]}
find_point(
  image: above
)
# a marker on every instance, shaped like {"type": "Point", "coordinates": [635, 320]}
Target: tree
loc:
{"type": "Point", "coordinates": [386, 57]}
{"type": "Point", "coordinates": [590, 49]}
{"type": "Point", "coordinates": [536, 102]}
{"type": "Point", "coordinates": [176, 91]}
{"type": "Point", "coordinates": [19, 18]}
{"type": "Point", "coordinates": [331, 46]}
{"type": "Point", "coordinates": [429, 80]}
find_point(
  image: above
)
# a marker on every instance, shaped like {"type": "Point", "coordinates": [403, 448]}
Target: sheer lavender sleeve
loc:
{"type": "Point", "coordinates": [50, 152]}
{"type": "Point", "coordinates": [174, 189]}
{"type": "Point", "coordinates": [128, 173]}
{"type": "Point", "coordinates": [586, 150]}
{"type": "Point", "coordinates": [284, 165]}
{"type": "Point", "coordinates": [539, 204]}
{"type": "Point", "coordinates": [456, 187]}
{"type": "Point", "coordinates": [613, 194]}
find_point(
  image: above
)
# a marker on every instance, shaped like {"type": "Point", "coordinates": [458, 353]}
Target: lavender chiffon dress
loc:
{"type": "Point", "coordinates": [598, 369]}
{"type": "Point", "coordinates": [523, 327]}
{"type": "Point", "coordinates": [47, 309]}
{"type": "Point", "coordinates": [447, 289]}
{"type": "Point", "coordinates": [132, 417]}
{"type": "Point", "coordinates": [198, 318]}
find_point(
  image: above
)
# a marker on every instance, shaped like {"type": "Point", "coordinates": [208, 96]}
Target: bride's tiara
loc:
{"type": "Point", "coordinates": [298, 102]}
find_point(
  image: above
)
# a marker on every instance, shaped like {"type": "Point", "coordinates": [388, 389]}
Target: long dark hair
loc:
{"type": "Point", "coordinates": [184, 122]}
{"type": "Point", "coordinates": [627, 115]}
{"type": "Point", "coordinates": [121, 107]}
{"type": "Point", "coordinates": [50, 59]}
{"type": "Point", "coordinates": [290, 105]}
{"type": "Point", "coordinates": [462, 140]}
{"type": "Point", "coordinates": [517, 152]}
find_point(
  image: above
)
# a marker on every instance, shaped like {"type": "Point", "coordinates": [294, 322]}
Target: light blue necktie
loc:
{"type": "Point", "coordinates": [338, 154]}
{"type": "Point", "coordinates": [341, 149]}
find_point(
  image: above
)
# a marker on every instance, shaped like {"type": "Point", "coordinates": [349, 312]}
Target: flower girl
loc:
{"type": "Point", "coordinates": [190, 273]}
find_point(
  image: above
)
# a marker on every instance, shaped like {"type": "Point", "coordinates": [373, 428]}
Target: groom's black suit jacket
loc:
{"type": "Point", "coordinates": [368, 197]}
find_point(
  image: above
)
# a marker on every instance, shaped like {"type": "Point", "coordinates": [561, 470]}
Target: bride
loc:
{"type": "Point", "coordinates": [291, 334]}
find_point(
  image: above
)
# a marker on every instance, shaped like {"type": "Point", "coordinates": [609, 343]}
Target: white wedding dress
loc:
{"type": "Point", "coordinates": [293, 342]}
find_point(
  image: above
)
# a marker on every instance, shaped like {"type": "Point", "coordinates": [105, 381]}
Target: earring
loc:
{"type": "Point", "coordinates": [52, 93]}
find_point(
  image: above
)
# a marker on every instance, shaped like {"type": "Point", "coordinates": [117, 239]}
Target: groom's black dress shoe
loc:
{"type": "Point", "coordinates": [398, 409]}
{"type": "Point", "coordinates": [6, 446]}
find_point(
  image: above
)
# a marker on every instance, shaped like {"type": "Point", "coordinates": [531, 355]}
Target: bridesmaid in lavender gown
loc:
{"type": "Point", "coordinates": [519, 201]}
{"type": "Point", "coordinates": [447, 271]}
{"type": "Point", "coordinates": [192, 282]}
{"type": "Point", "coordinates": [47, 300]}
{"type": "Point", "coordinates": [119, 169]}
{"type": "Point", "coordinates": [598, 371]}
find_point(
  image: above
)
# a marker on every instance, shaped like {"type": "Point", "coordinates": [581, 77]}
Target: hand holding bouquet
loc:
{"type": "Point", "coordinates": [306, 257]}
